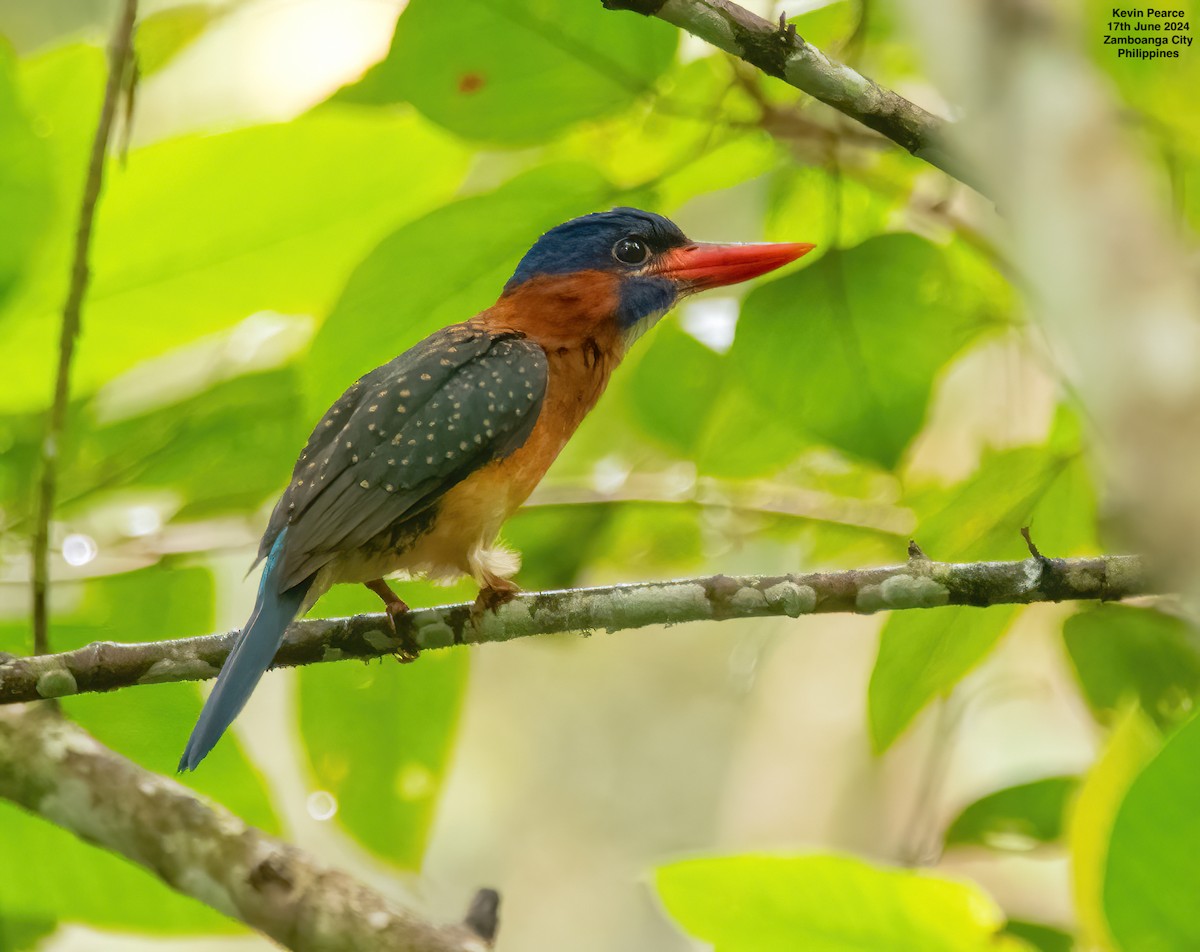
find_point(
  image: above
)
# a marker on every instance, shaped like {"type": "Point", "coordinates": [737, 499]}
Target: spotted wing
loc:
{"type": "Point", "coordinates": [403, 435]}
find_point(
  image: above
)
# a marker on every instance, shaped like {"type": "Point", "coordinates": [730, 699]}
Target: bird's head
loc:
{"type": "Point", "coordinates": [628, 268]}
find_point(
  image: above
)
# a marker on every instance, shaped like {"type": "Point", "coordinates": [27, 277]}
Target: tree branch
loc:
{"type": "Point", "coordinates": [119, 53]}
{"type": "Point", "coordinates": [921, 583]}
{"type": "Point", "coordinates": [56, 769]}
{"type": "Point", "coordinates": [777, 50]}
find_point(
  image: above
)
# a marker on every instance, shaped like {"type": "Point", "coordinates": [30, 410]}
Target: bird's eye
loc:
{"type": "Point", "coordinates": [631, 251]}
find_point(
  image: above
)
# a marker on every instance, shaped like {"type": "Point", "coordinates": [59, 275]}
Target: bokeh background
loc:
{"type": "Point", "coordinates": [308, 187]}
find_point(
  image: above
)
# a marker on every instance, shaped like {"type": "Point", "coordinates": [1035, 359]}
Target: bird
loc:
{"type": "Point", "coordinates": [418, 464]}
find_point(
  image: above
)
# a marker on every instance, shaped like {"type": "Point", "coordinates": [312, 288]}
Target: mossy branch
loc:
{"type": "Point", "coordinates": [56, 769]}
{"type": "Point", "coordinates": [919, 583]}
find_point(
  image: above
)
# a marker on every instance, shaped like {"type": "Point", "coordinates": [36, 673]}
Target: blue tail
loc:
{"type": "Point", "coordinates": [251, 656]}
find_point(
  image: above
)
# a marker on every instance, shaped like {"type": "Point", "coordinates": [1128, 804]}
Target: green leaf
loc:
{"type": "Point", "coordinates": [379, 736]}
{"type": "Point", "coordinates": [1041, 937]}
{"type": "Point", "coordinates": [18, 934]}
{"type": "Point", "coordinates": [673, 386]}
{"type": "Point", "coordinates": [439, 270]}
{"type": "Point", "coordinates": [765, 903]}
{"type": "Point", "coordinates": [1121, 652]}
{"type": "Point", "coordinates": [517, 71]}
{"type": "Point", "coordinates": [201, 231]}
{"type": "Point", "coordinates": [1015, 818]}
{"type": "Point", "coordinates": [923, 654]}
{"type": "Point", "coordinates": [26, 189]}
{"type": "Point", "coordinates": [69, 880]}
{"type": "Point", "coordinates": [828, 26]}
{"type": "Point", "coordinates": [848, 348]}
{"type": "Point", "coordinates": [165, 34]}
{"type": "Point", "coordinates": [742, 439]}
{"type": "Point", "coordinates": [1151, 877]}
{"type": "Point", "coordinates": [557, 542]}
{"type": "Point", "coordinates": [1134, 740]}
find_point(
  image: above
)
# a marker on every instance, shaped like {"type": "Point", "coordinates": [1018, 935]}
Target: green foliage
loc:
{"type": "Point", "coordinates": [245, 275]}
{"type": "Point", "coordinates": [1015, 817]}
{"type": "Point", "coordinates": [1040, 937]}
{"type": "Point", "coordinates": [199, 232]}
{"type": "Point", "coordinates": [516, 71]}
{"type": "Point", "coordinates": [165, 34]}
{"type": "Point", "coordinates": [26, 193]}
{"type": "Point", "coordinates": [1151, 876]}
{"type": "Point", "coordinates": [378, 737]}
{"type": "Point", "coordinates": [922, 655]}
{"type": "Point", "coordinates": [761, 903]}
{"type": "Point", "coordinates": [1122, 653]}
{"type": "Point", "coordinates": [888, 314]}
{"type": "Point", "coordinates": [384, 309]}
{"type": "Point", "coordinates": [1133, 742]}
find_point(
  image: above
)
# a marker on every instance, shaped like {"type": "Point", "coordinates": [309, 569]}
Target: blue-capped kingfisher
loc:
{"type": "Point", "coordinates": [418, 464]}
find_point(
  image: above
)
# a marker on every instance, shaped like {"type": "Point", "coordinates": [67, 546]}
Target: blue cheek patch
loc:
{"type": "Point", "coordinates": [642, 297]}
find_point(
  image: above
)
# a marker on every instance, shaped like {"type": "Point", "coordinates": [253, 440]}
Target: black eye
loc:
{"type": "Point", "coordinates": [631, 251]}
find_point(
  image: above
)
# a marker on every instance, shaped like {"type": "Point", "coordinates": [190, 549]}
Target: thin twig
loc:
{"type": "Point", "coordinates": [120, 51]}
{"type": "Point", "coordinates": [920, 583]}
{"type": "Point", "coordinates": [778, 51]}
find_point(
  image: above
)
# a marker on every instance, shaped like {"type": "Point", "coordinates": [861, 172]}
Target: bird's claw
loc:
{"type": "Point", "coordinates": [491, 597]}
{"type": "Point", "coordinates": [408, 650]}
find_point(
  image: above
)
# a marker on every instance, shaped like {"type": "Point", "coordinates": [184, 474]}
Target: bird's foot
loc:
{"type": "Point", "coordinates": [395, 608]}
{"type": "Point", "coordinates": [409, 649]}
{"type": "Point", "coordinates": [496, 592]}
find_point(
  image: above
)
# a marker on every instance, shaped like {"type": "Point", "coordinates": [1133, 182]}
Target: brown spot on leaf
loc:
{"type": "Point", "coordinates": [470, 83]}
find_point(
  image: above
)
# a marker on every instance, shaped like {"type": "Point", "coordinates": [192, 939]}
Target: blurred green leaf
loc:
{"type": "Point", "coordinates": [70, 880]}
{"type": "Point", "coordinates": [199, 232]}
{"type": "Point", "coordinates": [1156, 91]}
{"type": "Point", "coordinates": [165, 34]}
{"type": "Point", "coordinates": [1016, 817]}
{"type": "Point", "coordinates": [1040, 937]}
{"type": "Point", "coordinates": [696, 111]}
{"type": "Point", "coordinates": [516, 71]}
{"type": "Point", "coordinates": [1121, 653]}
{"type": "Point", "coordinates": [848, 348]}
{"type": "Point", "coordinates": [1132, 743]}
{"type": "Point", "coordinates": [742, 439]}
{"type": "Point", "coordinates": [439, 270]}
{"type": "Point", "coordinates": [16, 935]}
{"type": "Point", "coordinates": [923, 654]}
{"type": "Point", "coordinates": [26, 189]}
{"type": "Point", "coordinates": [557, 542]}
{"type": "Point", "coordinates": [809, 203]}
{"type": "Point", "coordinates": [673, 386]}
{"type": "Point", "coordinates": [828, 26]}
{"type": "Point", "coordinates": [379, 736]}
{"type": "Point", "coordinates": [1151, 877]}
{"type": "Point", "coordinates": [226, 449]}
{"type": "Point", "coordinates": [764, 903]}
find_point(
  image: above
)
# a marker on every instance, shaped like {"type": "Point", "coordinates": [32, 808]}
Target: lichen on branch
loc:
{"type": "Point", "coordinates": [918, 583]}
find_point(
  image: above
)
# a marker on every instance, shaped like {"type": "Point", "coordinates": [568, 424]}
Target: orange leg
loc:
{"type": "Point", "coordinates": [395, 608]}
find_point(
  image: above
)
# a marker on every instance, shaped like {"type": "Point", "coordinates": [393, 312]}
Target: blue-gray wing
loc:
{"type": "Point", "coordinates": [403, 435]}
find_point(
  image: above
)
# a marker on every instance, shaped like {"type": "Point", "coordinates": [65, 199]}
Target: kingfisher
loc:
{"type": "Point", "coordinates": [418, 464]}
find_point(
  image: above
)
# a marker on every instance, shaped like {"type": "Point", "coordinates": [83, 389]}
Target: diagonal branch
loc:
{"type": "Point", "coordinates": [777, 50]}
{"type": "Point", "coordinates": [921, 583]}
{"type": "Point", "coordinates": [119, 53]}
{"type": "Point", "coordinates": [56, 769]}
